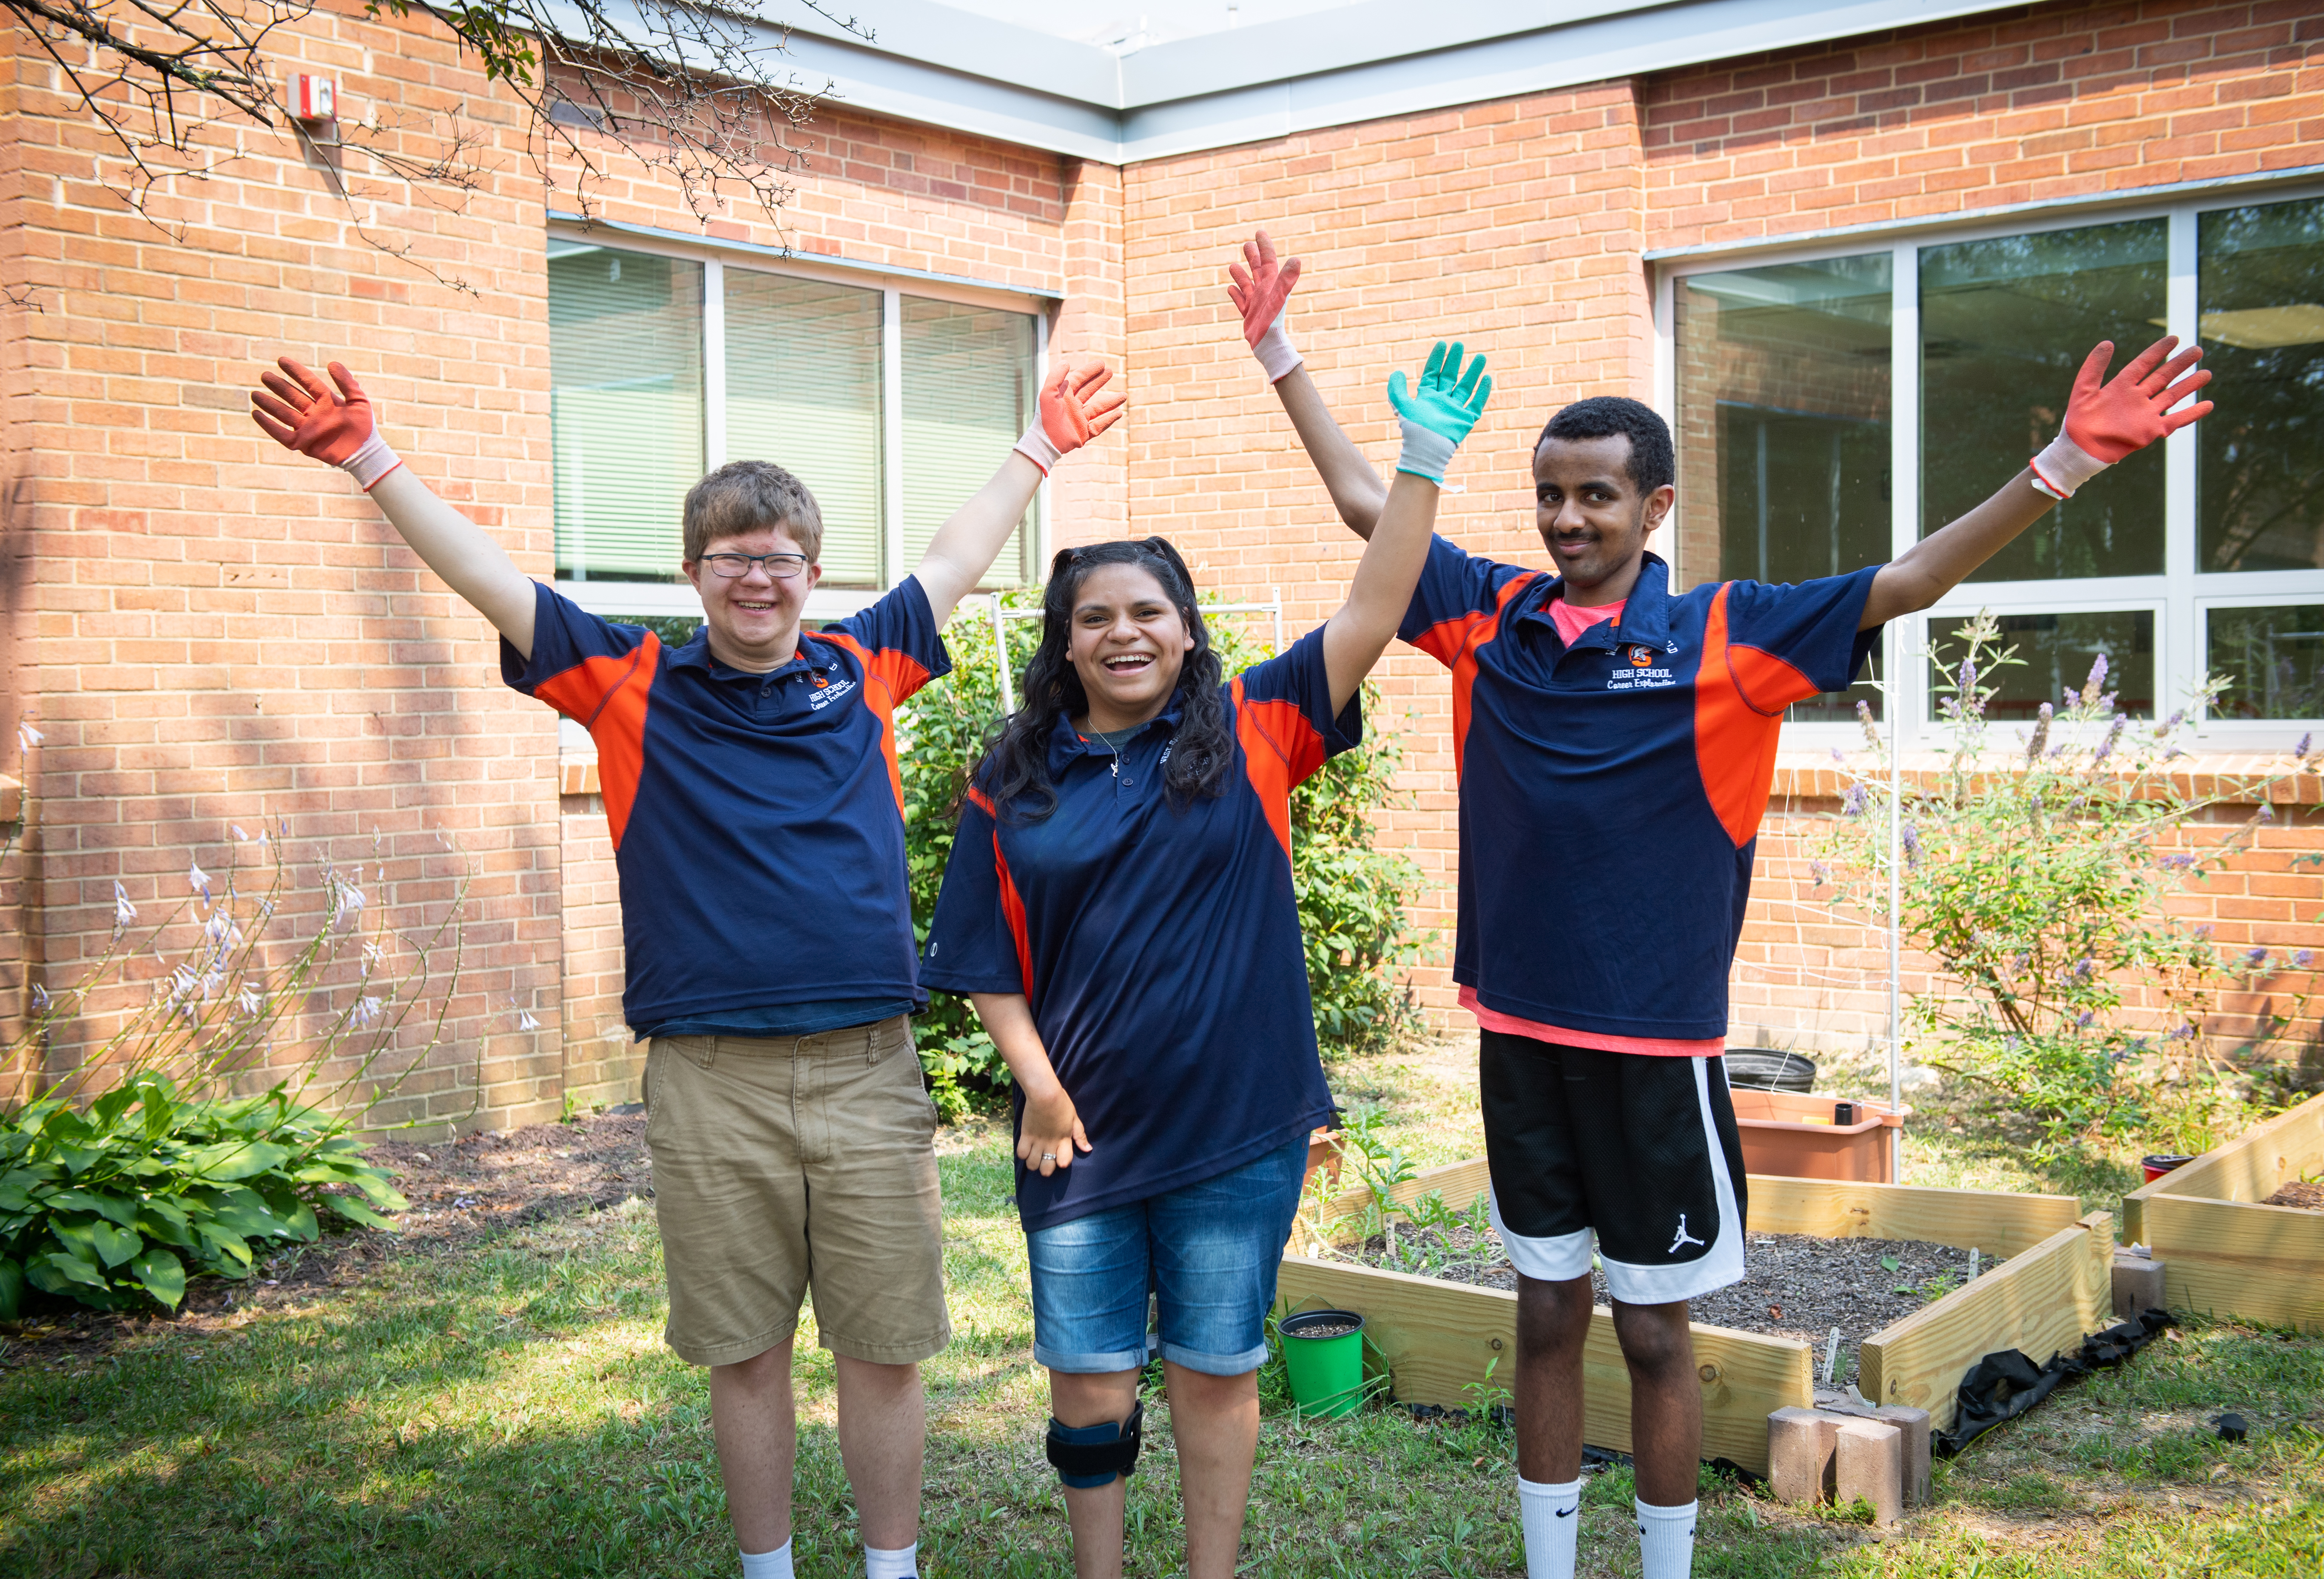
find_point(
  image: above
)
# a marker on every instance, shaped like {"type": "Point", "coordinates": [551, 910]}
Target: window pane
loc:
{"type": "Point", "coordinates": [625, 408]}
{"type": "Point", "coordinates": [1784, 410]}
{"type": "Point", "coordinates": [803, 391]}
{"type": "Point", "coordinates": [968, 395]}
{"type": "Point", "coordinates": [2261, 474]}
{"type": "Point", "coordinates": [2274, 659]}
{"type": "Point", "coordinates": [2004, 325]}
{"type": "Point", "coordinates": [2054, 652]}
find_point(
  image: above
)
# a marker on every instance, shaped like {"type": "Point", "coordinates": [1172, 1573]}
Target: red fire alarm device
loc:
{"type": "Point", "coordinates": [312, 97]}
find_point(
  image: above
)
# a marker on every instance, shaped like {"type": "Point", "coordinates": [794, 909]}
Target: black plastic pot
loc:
{"type": "Point", "coordinates": [1762, 1069]}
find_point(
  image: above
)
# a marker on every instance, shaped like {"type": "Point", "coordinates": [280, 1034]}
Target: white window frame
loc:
{"type": "Point", "coordinates": [2181, 598]}
{"type": "Point", "coordinates": [631, 599]}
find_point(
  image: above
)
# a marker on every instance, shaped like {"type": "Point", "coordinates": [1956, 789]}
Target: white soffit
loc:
{"type": "Point", "coordinates": [946, 64]}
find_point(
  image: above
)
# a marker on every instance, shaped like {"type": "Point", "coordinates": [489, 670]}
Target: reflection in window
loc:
{"type": "Point", "coordinates": [1784, 391]}
{"type": "Point", "coordinates": [803, 391]}
{"type": "Point", "coordinates": [968, 394]}
{"type": "Point", "coordinates": [2004, 325]}
{"type": "Point", "coordinates": [2272, 659]}
{"type": "Point", "coordinates": [625, 408]}
{"type": "Point", "coordinates": [2055, 653]}
{"type": "Point", "coordinates": [2261, 474]}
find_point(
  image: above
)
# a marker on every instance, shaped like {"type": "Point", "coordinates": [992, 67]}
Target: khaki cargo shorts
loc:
{"type": "Point", "coordinates": [790, 1164]}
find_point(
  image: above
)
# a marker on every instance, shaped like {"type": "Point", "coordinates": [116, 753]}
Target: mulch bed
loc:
{"type": "Point", "coordinates": [1795, 1285]}
{"type": "Point", "coordinates": [2298, 1193]}
{"type": "Point", "coordinates": [459, 1191]}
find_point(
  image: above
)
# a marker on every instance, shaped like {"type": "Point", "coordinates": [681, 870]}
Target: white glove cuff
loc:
{"type": "Point", "coordinates": [1037, 447]}
{"type": "Point", "coordinates": [2064, 467]}
{"type": "Point", "coordinates": [1274, 351]}
{"type": "Point", "coordinates": [1426, 452]}
{"type": "Point", "coordinates": [373, 461]}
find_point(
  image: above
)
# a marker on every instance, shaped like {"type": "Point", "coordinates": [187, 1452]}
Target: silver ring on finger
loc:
{"type": "Point", "coordinates": [1049, 1156]}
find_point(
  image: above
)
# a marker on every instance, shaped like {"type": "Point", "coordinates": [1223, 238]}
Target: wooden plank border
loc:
{"type": "Point", "coordinates": [1438, 1339]}
{"type": "Point", "coordinates": [2040, 1301]}
{"type": "Point", "coordinates": [2225, 1254]}
{"type": "Point", "coordinates": [2250, 1168]}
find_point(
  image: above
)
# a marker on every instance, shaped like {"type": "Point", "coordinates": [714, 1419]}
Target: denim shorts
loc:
{"type": "Point", "coordinates": [1208, 1252]}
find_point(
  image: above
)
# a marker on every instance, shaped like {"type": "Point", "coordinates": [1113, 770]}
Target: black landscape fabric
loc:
{"type": "Point", "coordinates": [2005, 1385]}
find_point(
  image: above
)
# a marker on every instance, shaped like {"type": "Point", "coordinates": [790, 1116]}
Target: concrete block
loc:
{"type": "Point", "coordinates": [1800, 1454]}
{"type": "Point", "coordinates": [1915, 1424]}
{"type": "Point", "coordinates": [2137, 1284]}
{"type": "Point", "coordinates": [1869, 1461]}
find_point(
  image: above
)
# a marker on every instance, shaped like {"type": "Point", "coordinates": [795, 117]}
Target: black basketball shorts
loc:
{"type": "Point", "coordinates": [1640, 1150]}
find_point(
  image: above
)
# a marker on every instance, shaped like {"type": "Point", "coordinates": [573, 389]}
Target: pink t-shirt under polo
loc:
{"type": "Point", "coordinates": [1570, 622]}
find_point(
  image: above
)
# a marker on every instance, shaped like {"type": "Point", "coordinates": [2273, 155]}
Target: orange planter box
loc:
{"type": "Point", "coordinates": [1778, 1138]}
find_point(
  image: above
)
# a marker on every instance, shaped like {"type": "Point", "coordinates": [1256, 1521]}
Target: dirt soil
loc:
{"type": "Point", "coordinates": [2298, 1193]}
{"type": "Point", "coordinates": [458, 1190]}
{"type": "Point", "coordinates": [1795, 1285]}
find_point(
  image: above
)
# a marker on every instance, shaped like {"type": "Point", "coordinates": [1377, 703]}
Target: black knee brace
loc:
{"type": "Point", "coordinates": [1087, 1456]}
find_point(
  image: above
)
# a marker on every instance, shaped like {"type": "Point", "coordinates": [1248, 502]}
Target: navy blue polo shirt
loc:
{"type": "Point", "coordinates": [1610, 793]}
{"type": "Point", "coordinates": [757, 818]}
{"type": "Point", "coordinates": [1159, 950]}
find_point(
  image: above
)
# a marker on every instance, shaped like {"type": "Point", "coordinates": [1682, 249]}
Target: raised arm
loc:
{"type": "Point", "coordinates": [300, 412]}
{"type": "Point", "coordinates": [1436, 418]}
{"type": "Point", "coordinates": [2106, 420]}
{"type": "Point", "coordinates": [1260, 289]}
{"type": "Point", "coordinates": [1073, 412]}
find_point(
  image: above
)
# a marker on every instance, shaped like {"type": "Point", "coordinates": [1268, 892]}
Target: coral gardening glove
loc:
{"type": "Point", "coordinates": [306, 414]}
{"type": "Point", "coordinates": [1260, 293]}
{"type": "Point", "coordinates": [1072, 414]}
{"type": "Point", "coordinates": [2107, 420]}
{"type": "Point", "coordinates": [1439, 415]}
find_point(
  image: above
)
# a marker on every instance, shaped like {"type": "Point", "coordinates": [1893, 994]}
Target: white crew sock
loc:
{"type": "Point", "coordinates": [900, 1563]}
{"type": "Point", "coordinates": [774, 1565]}
{"type": "Point", "coordinates": [1551, 1515]}
{"type": "Point", "coordinates": [1666, 1540]}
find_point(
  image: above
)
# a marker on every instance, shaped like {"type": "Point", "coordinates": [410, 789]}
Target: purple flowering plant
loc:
{"type": "Point", "coordinates": [2035, 879]}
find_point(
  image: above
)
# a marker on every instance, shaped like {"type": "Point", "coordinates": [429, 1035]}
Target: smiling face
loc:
{"type": "Point", "coordinates": [1127, 644]}
{"type": "Point", "coordinates": [753, 618]}
{"type": "Point", "coordinates": [1592, 516]}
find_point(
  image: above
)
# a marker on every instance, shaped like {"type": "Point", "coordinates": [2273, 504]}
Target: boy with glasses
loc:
{"type": "Point", "coordinates": [751, 781]}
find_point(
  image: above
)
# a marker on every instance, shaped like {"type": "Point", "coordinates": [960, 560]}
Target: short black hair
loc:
{"type": "Point", "coordinates": [1653, 464]}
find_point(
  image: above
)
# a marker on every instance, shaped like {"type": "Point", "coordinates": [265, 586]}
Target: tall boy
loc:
{"type": "Point", "coordinates": [751, 780]}
{"type": "Point", "coordinates": [1616, 741]}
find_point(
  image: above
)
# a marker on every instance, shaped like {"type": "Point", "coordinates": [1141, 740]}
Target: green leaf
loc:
{"type": "Point", "coordinates": [78, 1158]}
{"type": "Point", "coordinates": [114, 1245]}
{"type": "Point", "coordinates": [232, 1160]}
{"type": "Point", "coordinates": [300, 1221]}
{"type": "Point", "coordinates": [164, 1221]}
{"type": "Point", "coordinates": [160, 1274]}
{"type": "Point", "coordinates": [247, 1214]}
{"type": "Point", "coordinates": [226, 1244]}
{"type": "Point", "coordinates": [12, 1289]}
{"type": "Point", "coordinates": [355, 1211]}
{"type": "Point", "coordinates": [59, 1273]}
{"type": "Point", "coordinates": [117, 1208]}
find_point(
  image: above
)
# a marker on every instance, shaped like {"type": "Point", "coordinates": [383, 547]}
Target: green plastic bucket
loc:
{"type": "Point", "coordinates": [1325, 1351]}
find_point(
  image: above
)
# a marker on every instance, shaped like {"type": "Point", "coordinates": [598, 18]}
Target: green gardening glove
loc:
{"type": "Point", "coordinates": [1437, 417]}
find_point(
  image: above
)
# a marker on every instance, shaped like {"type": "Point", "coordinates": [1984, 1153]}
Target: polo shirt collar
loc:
{"type": "Point", "coordinates": [695, 654]}
{"type": "Point", "coordinates": [1644, 620]}
{"type": "Point", "coordinates": [1067, 743]}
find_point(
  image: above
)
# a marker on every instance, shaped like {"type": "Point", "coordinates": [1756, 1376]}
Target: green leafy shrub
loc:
{"type": "Point", "coordinates": [118, 1204]}
{"type": "Point", "coordinates": [2035, 874]}
{"type": "Point", "coordinates": [1352, 897]}
{"type": "Point", "coordinates": [143, 1166]}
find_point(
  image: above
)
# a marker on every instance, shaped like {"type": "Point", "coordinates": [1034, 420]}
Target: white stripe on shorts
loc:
{"type": "Point", "coordinates": [1717, 1267]}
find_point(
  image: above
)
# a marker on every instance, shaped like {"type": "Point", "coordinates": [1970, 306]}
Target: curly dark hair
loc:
{"type": "Point", "coordinates": [1651, 462]}
{"type": "Point", "coordinates": [1015, 769]}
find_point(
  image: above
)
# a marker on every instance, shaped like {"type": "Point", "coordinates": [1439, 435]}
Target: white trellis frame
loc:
{"type": "Point", "coordinates": [999, 616]}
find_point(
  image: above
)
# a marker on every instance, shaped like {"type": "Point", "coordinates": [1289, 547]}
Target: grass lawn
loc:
{"type": "Point", "coordinates": [506, 1407]}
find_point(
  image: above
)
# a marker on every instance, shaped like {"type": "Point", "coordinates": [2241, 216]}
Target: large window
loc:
{"type": "Point", "coordinates": [893, 408]}
{"type": "Point", "coordinates": [1831, 409]}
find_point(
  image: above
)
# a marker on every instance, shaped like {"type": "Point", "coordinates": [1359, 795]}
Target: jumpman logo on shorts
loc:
{"type": "Point", "coordinates": [1683, 1236]}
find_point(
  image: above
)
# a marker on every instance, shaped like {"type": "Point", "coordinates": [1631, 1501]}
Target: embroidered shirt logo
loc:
{"type": "Point", "coordinates": [1641, 657]}
{"type": "Point", "coordinates": [828, 692]}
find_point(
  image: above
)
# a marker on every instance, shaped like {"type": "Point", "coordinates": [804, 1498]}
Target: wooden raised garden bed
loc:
{"type": "Point", "coordinates": [1438, 1338]}
{"type": "Point", "coordinates": [2224, 1252]}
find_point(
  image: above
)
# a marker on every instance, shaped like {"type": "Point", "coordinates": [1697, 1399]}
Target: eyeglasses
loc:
{"type": "Point", "coordinates": [781, 567]}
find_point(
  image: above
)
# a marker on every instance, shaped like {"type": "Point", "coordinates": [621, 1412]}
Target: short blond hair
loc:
{"type": "Point", "coordinates": [744, 496]}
